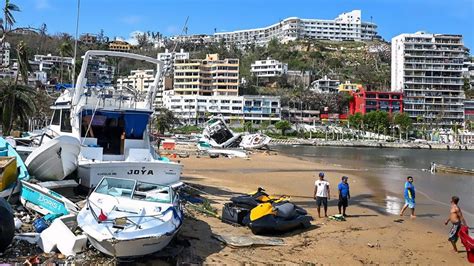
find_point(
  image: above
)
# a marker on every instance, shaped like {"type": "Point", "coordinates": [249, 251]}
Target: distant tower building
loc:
{"type": "Point", "coordinates": [428, 69]}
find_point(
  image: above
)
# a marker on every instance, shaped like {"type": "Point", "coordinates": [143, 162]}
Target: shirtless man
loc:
{"type": "Point", "coordinates": [456, 218]}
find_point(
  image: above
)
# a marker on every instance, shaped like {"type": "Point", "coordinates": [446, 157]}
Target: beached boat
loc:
{"type": "Point", "coordinates": [6, 149]}
{"type": "Point", "coordinates": [218, 135]}
{"type": "Point", "coordinates": [45, 201]}
{"type": "Point", "coordinates": [436, 167]}
{"type": "Point", "coordinates": [254, 141]}
{"type": "Point", "coordinates": [128, 218]}
{"type": "Point", "coordinates": [228, 153]}
{"type": "Point", "coordinates": [7, 224]}
{"type": "Point", "coordinates": [55, 159]}
{"type": "Point", "coordinates": [112, 127]}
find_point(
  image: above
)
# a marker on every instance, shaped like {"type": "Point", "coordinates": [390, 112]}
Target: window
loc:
{"type": "Point", "coordinates": [66, 121]}
{"type": "Point", "coordinates": [56, 117]}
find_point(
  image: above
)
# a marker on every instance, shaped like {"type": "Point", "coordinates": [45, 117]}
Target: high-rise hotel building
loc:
{"type": "Point", "coordinates": [428, 69]}
{"type": "Point", "coordinates": [346, 27]}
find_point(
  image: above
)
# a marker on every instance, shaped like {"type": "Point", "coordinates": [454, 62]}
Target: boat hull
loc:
{"type": "Point", "coordinates": [55, 159]}
{"type": "Point", "coordinates": [156, 172]}
{"type": "Point", "coordinates": [133, 247]}
{"type": "Point", "coordinates": [45, 201]}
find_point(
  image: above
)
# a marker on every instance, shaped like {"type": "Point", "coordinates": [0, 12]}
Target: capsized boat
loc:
{"type": "Point", "coordinates": [254, 141]}
{"type": "Point", "coordinates": [45, 201]}
{"type": "Point", "coordinates": [55, 159]}
{"type": "Point", "coordinates": [218, 135]}
{"type": "Point", "coordinates": [436, 167]}
{"type": "Point", "coordinates": [129, 218]}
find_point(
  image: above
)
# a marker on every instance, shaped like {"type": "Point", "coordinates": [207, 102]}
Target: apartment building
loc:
{"type": "Point", "coordinates": [427, 68]}
{"type": "Point", "coordinates": [209, 76]}
{"type": "Point", "coordinates": [268, 68]}
{"type": "Point", "coordinates": [138, 80]}
{"type": "Point", "coordinates": [169, 58]}
{"type": "Point", "coordinates": [325, 85]}
{"type": "Point", "coordinates": [88, 38]}
{"type": "Point", "coordinates": [5, 55]}
{"type": "Point", "coordinates": [99, 72]}
{"type": "Point", "coordinates": [120, 46]}
{"type": "Point", "coordinates": [47, 62]}
{"type": "Point", "coordinates": [367, 101]}
{"type": "Point", "coordinates": [196, 109]}
{"type": "Point", "coordinates": [345, 27]}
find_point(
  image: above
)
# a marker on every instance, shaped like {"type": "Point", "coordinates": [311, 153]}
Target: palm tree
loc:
{"type": "Point", "coordinates": [9, 20]}
{"type": "Point", "coordinates": [16, 104]}
{"type": "Point", "coordinates": [65, 49]}
{"type": "Point", "coordinates": [23, 64]}
{"type": "Point", "coordinates": [165, 120]}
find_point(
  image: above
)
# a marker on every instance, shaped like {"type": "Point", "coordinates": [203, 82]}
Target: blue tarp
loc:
{"type": "Point", "coordinates": [135, 122]}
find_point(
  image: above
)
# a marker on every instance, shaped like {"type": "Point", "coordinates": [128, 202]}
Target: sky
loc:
{"type": "Point", "coordinates": [120, 18]}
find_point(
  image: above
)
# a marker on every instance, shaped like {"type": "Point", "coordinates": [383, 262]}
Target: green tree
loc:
{"type": "Point", "coordinates": [356, 121]}
{"type": "Point", "coordinates": [283, 125]}
{"type": "Point", "coordinates": [65, 49]}
{"type": "Point", "coordinates": [404, 123]}
{"type": "Point", "coordinates": [8, 18]}
{"type": "Point", "coordinates": [16, 104]}
{"type": "Point", "coordinates": [248, 126]}
{"type": "Point", "coordinates": [165, 120]}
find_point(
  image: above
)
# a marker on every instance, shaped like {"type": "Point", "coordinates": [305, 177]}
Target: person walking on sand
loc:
{"type": "Point", "coordinates": [409, 195]}
{"type": "Point", "coordinates": [456, 218]}
{"type": "Point", "coordinates": [344, 195]}
{"type": "Point", "coordinates": [322, 194]}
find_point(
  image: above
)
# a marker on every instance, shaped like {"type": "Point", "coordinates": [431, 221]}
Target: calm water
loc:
{"type": "Point", "coordinates": [386, 171]}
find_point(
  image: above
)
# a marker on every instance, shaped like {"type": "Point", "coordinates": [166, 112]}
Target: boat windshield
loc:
{"type": "Point", "coordinates": [133, 189]}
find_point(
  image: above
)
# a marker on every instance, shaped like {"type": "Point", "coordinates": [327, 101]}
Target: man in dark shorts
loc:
{"type": "Point", "coordinates": [321, 194]}
{"type": "Point", "coordinates": [344, 195]}
{"type": "Point", "coordinates": [456, 218]}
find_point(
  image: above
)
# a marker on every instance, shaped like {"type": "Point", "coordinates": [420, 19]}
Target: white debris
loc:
{"type": "Point", "coordinates": [59, 235]}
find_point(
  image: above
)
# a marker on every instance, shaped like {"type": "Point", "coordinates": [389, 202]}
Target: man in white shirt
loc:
{"type": "Point", "coordinates": [322, 194]}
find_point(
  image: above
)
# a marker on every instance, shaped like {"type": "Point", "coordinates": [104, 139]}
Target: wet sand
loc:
{"type": "Point", "coordinates": [332, 242]}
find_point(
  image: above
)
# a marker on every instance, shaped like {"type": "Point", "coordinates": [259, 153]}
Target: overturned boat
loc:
{"type": "Point", "coordinates": [254, 141]}
{"type": "Point", "coordinates": [45, 201]}
{"type": "Point", "coordinates": [129, 218]}
{"type": "Point", "coordinates": [219, 135]}
{"type": "Point", "coordinates": [436, 167]}
{"type": "Point", "coordinates": [55, 159]}
{"type": "Point", "coordinates": [6, 149]}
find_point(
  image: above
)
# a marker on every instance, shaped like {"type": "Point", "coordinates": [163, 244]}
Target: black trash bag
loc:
{"type": "Point", "coordinates": [7, 225]}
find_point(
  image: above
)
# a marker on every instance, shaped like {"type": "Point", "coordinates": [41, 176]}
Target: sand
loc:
{"type": "Point", "coordinates": [369, 235]}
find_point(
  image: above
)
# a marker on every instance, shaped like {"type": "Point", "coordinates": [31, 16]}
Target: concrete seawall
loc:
{"type": "Point", "coordinates": [374, 144]}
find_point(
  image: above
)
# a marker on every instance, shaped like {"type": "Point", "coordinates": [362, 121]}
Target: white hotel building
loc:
{"type": "Point", "coordinates": [346, 27]}
{"type": "Point", "coordinates": [196, 109]}
{"type": "Point", "coordinates": [139, 80]}
{"type": "Point", "coordinates": [268, 68]}
{"type": "Point", "coordinates": [428, 68]}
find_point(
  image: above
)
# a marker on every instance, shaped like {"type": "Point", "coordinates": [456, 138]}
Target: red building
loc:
{"type": "Point", "coordinates": [366, 101]}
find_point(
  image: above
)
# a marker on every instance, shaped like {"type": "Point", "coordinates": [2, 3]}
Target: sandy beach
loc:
{"type": "Point", "coordinates": [370, 234]}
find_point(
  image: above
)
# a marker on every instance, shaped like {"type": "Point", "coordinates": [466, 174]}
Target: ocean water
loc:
{"type": "Point", "coordinates": [385, 171]}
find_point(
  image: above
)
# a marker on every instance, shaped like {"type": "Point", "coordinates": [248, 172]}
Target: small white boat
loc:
{"type": "Point", "coordinates": [218, 135]}
{"type": "Point", "coordinates": [45, 201]}
{"type": "Point", "coordinates": [228, 153]}
{"type": "Point", "coordinates": [254, 141]}
{"type": "Point", "coordinates": [129, 218]}
{"type": "Point", "coordinates": [55, 159]}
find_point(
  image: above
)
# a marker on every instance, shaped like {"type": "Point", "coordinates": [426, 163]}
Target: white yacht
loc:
{"type": "Point", "coordinates": [112, 126]}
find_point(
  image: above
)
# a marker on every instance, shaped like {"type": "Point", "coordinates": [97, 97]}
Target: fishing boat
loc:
{"type": "Point", "coordinates": [436, 167]}
{"type": "Point", "coordinates": [111, 124]}
{"type": "Point", "coordinates": [129, 218]}
{"type": "Point", "coordinates": [55, 159]}
{"type": "Point", "coordinates": [45, 201]}
{"type": "Point", "coordinates": [6, 149]}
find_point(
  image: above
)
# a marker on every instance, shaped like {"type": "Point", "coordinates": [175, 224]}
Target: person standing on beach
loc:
{"type": "Point", "coordinates": [344, 195]}
{"type": "Point", "coordinates": [456, 218]}
{"type": "Point", "coordinates": [409, 195]}
{"type": "Point", "coordinates": [322, 194]}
